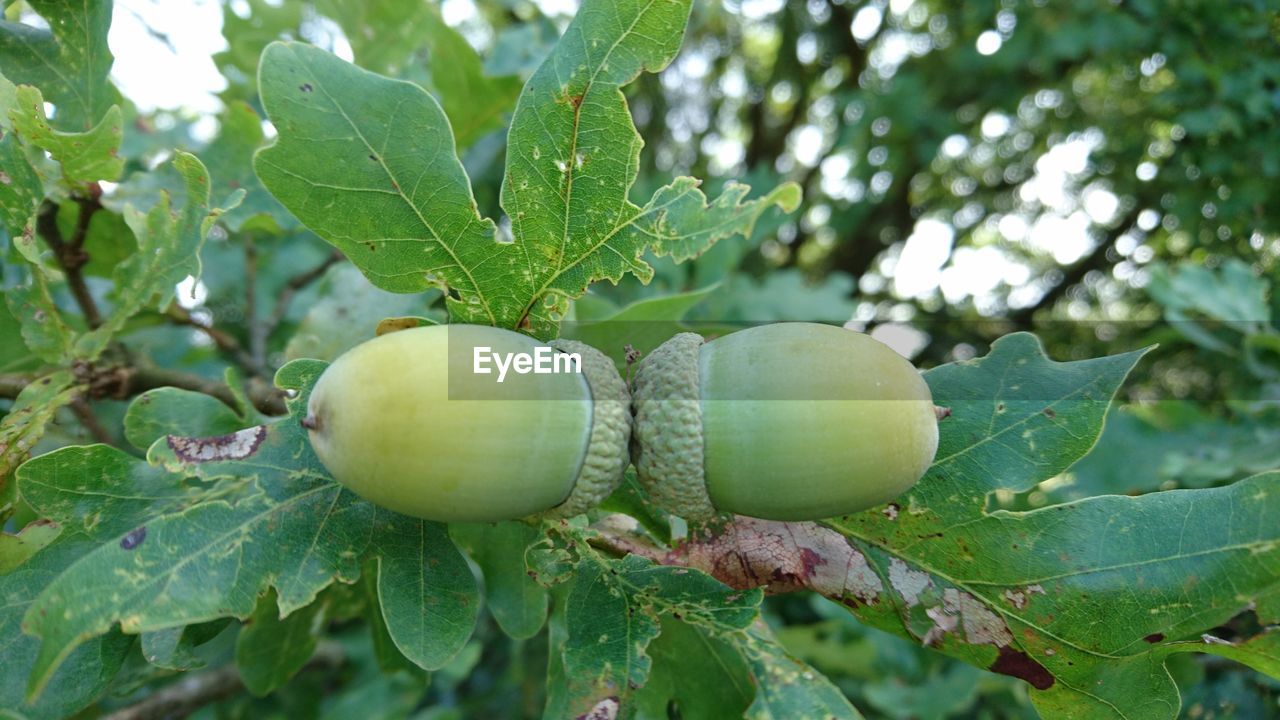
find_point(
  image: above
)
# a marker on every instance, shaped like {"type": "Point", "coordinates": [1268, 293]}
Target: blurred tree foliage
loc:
{"type": "Point", "coordinates": [1034, 162]}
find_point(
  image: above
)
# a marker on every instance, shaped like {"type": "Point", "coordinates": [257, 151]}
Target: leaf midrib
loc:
{"type": "Point", "coordinates": [570, 171]}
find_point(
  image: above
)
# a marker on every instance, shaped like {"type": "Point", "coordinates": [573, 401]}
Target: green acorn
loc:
{"type": "Point", "coordinates": [407, 422]}
{"type": "Point", "coordinates": [792, 421]}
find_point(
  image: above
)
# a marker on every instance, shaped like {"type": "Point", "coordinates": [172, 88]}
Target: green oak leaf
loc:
{"type": "Point", "coordinates": [21, 188]}
{"type": "Point", "coordinates": [168, 251]}
{"type": "Point", "coordinates": [1261, 652]}
{"type": "Point", "coordinates": [1020, 592]}
{"type": "Point", "coordinates": [17, 548]}
{"type": "Point", "coordinates": [262, 514]}
{"type": "Point", "coordinates": [175, 648]}
{"type": "Point", "coordinates": [573, 154]}
{"type": "Point", "coordinates": [86, 156]}
{"type": "Point", "coordinates": [608, 614]}
{"type": "Point", "coordinates": [172, 411]}
{"type": "Point", "coordinates": [14, 355]}
{"type": "Point", "coordinates": [205, 557]}
{"type": "Point", "coordinates": [1017, 418]}
{"type": "Point", "coordinates": [369, 164]}
{"type": "Point", "coordinates": [428, 595]}
{"type": "Point", "coordinates": [270, 648]}
{"type": "Point", "coordinates": [724, 687]}
{"type": "Point", "coordinates": [34, 408]}
{"type": "Point", "coordinates": [679, 222]}
{"type": "Point", "coordinates": [785, 686]}
{"type": "Point", "coordinates": [70, 61]}
{"type": "Point", "coordinates": [98, 495]}
{"type": "Point", "coordinates": [642, 326]}
{"type": "Point", "coordinates": [389, 36]}
{"type": "Point", "coordinates": [44, 331]}
{"type": "Point", "coordinates": [516, 601]}
{"type": "Point", "coordinates": [86, 671]}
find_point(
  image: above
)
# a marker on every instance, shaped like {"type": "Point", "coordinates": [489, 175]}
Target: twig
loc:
{"type": "Point", "coordinates": [264, 397]}
{"type": "Point", "coordinates": [90, 421]}
{"type": "Point", "coordinates": [195, 690]}
{"type": "Point", "coordinates": [123, 382]}
{"type": "Point", "coordinates": [291, 288]}
{"type": "Point", "coordinates": [70, 253]}
{"type": "Point", "coordinates": [224, 341]}
{"type": "Point", "coordinates": [12, 384]}
{"type": "Point", "coordinates": [184, 696]}
{"type": "Point", "coordinates": [257, 340]}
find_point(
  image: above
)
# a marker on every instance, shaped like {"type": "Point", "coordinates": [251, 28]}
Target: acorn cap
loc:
{"type": "Point", "coordinates": [667, 445]}
{"type": "Point", "coordinates": [605, 462]}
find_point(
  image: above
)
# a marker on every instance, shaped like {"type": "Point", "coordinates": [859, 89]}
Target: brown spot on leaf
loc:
{"type": "Point", "coordinates": [1016, 663]}
{"type": "Point", "coordinates": [305, 87]}
{"type": "Point", "coordinates": [780, 557]}
{"type": "Point", "coordinates": [234, 446]}
{"type": "Point", "coordinates": [1049, 413]}
{"type": "Point", "coordinates": [134, 538]}
{"type": "Point", "coordinates": [810, 560]}
{"type": "Point", "coordinates": [891, 510]}
{"type": "Point", "coordinates": [1016, 598]}
{"type": "Point", "coordinates": [1154, 638]}
{"type": "Point", "coordinates": [606, 709]}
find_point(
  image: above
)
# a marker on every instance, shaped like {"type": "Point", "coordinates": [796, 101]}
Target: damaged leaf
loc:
{"type": "Point", "coordinates": [263, 516]}
{"type": "Point", "coordinates": [1022, 593]}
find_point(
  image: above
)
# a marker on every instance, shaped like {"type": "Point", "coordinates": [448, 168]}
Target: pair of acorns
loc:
{"type": "Point", "coordinates": [791, 421]}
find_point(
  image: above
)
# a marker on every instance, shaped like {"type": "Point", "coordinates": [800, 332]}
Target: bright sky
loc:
{"type": "Point", "coordinates": [181, 75]}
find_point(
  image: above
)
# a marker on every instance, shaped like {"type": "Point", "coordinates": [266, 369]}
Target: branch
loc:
{"type": "Point", "coordinates": [195, 690]}
{"type": "Point", "coordinates": [12, 384]}
{"type": "Point", "coordinates": [70, 253]}
{"type": "Point", "coordinates": [90, 421]}
{"type": "Point", "coordinates": [135, 381]}
{"type": "Point", "coordinates": [257, 341]}
{"type": "Point", "coordinates": [223, 340]}
{"type": "Point", "coordinates": [122, 382]}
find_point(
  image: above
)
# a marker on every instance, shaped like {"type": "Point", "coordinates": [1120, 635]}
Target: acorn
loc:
{"type": "Point", "coordinates": [431, 422]}
{"type": "Point", "coordinates": [791, 421]}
